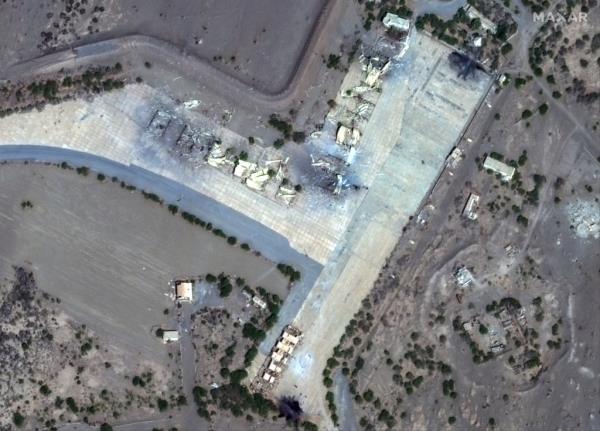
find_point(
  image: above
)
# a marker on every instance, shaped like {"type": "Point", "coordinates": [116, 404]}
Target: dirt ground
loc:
{"type": "Point", "coordinates": [253, 43]}
{"type": "Point", "coordinates": [57, 370]}
{"type": "Point", "coordinates": [407, 361]}
{"type": "Point", "coordinates": [112, 276]}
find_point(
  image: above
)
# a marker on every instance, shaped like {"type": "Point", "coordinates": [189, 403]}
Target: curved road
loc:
{"type": "Point", "coordinates": [272, 245]}
{"type": "Point", "coordinates": [160, 52]}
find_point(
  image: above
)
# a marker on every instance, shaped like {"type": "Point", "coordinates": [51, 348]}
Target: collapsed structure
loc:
{"type": "Point", "coordinates": [470, 210]}
{"type": "Point", "coordinates": [463, 276]}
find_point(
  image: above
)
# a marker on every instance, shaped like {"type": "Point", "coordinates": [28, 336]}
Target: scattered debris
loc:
{"type": "Point", "coordinates": [584, 217]}
{"type": "Point", "coordinates": [464, 277]}
{"type": "Point", "coordinates": [470, 210]}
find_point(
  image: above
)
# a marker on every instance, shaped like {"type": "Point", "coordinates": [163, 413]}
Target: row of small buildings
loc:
{"type": "Point", "coordinates": [280, 356]}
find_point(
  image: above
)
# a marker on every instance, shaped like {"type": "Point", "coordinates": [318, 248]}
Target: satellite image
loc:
{"type": "Point", "coordinates": [231, 215]}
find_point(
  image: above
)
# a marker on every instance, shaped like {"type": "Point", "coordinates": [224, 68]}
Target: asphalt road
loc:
{"type": "Point", "coordinates": [272, 245]}
{"type": "Point", "coordinates": [232, 222]}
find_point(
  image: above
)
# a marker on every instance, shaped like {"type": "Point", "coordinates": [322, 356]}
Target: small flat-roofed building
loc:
{"type": "Point", "coordinates": [276, 356]}
{"type": "Point", "coordinates": [470, 210]}
{"type": "Point", "coordinates": [486, 23]}
{"type": "Point", "coordinates": [291, 339]}
{"type": "Point", "coordinates": [184, 291]}
{"type": "Point", "coordinates": [170, 336]}
{"type": "Point", "coordinates": [347, 136]}
{"type": "Point", "coordinates": [291, 330]}
{"type": "Point", "coordinates": [286, 348]}
{"type": "Point", "coordinates": [259, 302]}
{"type": "Point", "coordinates": [394, 22]}
{"type": "Point", "coordinates": [268, 377]}
{"type": "Point", "coordinates": [499, 167]}
{"type": "Point", "coordinates": [275, 368]}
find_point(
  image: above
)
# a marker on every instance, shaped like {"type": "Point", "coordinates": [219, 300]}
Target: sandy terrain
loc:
{"type": "Point", "coordinates": [260, 44]}
{"type": "Point", "coordinates": [108, 253]}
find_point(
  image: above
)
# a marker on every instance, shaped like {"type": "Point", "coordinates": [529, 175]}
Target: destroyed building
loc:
{"type": "Point", "coordinates": [470, 210]}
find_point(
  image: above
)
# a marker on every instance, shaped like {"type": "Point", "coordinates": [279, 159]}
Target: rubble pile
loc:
{"type": "Point", "coordinates": [584, 217]}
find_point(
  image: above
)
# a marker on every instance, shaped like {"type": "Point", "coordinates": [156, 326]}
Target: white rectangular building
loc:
{"type": "Point", "coordinates": [170, 336]}
{"type": "Point", "coordinates": [499, 167]}
{"type": "Point", "coordinates": [395, 22]}
{"type": "Point", "coordinates": [184, 291]}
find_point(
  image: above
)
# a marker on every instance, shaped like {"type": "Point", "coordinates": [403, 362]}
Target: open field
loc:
{"type": "Point", "coordinates": [108, 253]}
{"type": "Point", "coordinates": [251, 43]}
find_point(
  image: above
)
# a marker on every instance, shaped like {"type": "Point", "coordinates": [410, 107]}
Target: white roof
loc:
{"type": "Point", "coordinates": [285, 347]}
{"type": "Point", "coordinates": [170, 335]}
{"type": "Point", "coordinates": [243, 169]}
{"type": "Point", "coordinates": [259, 302]}
{"type": "Point", "coordinates": [342, 134]}
{"type": "Point", "coordinates": [274, 367]}
{"type": "Point", "coordinates": [394, 21]}
{"type": "Point", "coordinates": [290, 338]}
{"type": "Point", "coordinates": [184, 290]}
{"type": "Point", "coordinates": [499, 167]}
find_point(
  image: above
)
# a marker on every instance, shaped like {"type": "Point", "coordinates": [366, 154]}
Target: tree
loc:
{"type": "Point", "coordinates": [106, 427]}
{"type": "Point", "coordinates": [162, 404]}
{"type": "Point", "coordinates": [237, 376]}
{"type": "Point", "coordinates": [252, 332]}
{"type": "Point", "coordinates": [18, 419]}
{"type": "Point", "coordinates": [333, 61]}
{"type": "Point", "coordinates": [298, 137]}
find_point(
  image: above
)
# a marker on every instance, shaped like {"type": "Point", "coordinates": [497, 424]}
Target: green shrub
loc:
{"type": "Point", "coordinates": [162, 404]}
{"type": "Point", "coordinates": [72, 405]}
{"type": "Point", "coordinates": [18, 419]}
{"type": "Point", "coordinates": [252, 332]}
{"type": "Point", "coordinates": [237, 376]}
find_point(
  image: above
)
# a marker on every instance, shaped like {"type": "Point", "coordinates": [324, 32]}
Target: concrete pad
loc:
{"type": "Point", "coordinates": [416, 122]}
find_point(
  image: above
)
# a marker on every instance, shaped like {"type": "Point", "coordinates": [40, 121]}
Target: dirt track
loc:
{"type": "Point", "coordinates": [260, 44]}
